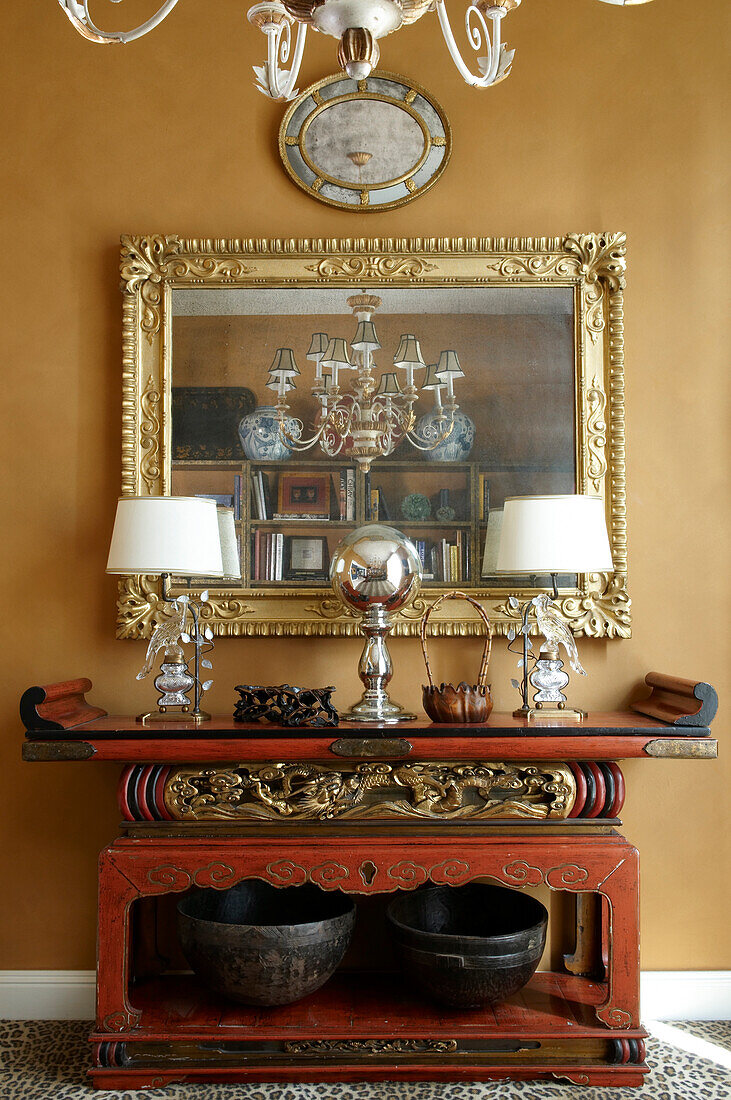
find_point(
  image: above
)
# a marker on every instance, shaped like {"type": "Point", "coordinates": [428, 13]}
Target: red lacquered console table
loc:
{"type": "Point", "coordinates": [369, 811]}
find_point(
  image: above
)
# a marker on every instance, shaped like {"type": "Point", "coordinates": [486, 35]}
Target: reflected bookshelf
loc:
{"type": "Point", "coordinates": [291, 515]}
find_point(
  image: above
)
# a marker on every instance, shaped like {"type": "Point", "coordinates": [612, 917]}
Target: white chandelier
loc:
{"type": "Point", "coordinates": [358, 24]}
{"type": "Point", "coordinates": [371, 419]}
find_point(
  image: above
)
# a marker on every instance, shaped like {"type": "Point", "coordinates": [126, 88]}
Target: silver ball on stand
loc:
{"type": "Point", "coordinates": [376, 570]}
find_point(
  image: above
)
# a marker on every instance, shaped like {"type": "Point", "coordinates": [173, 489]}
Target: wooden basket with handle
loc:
{"type": "Point", "coordinates": [465, 703]}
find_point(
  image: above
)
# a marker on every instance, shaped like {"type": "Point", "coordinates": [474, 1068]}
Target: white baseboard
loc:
{"type": "Point", "coordinates": [685, 994]}
{"type": "Point", "coordinates": [69, 994]}
{"type": "Point", "coordinates": [47, 994]}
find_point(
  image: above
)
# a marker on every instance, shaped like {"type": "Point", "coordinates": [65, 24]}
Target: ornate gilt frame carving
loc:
{"type": "Point", "coordinates": [426, 791]}
{"type": "Point", "coordinates": [593, 265]}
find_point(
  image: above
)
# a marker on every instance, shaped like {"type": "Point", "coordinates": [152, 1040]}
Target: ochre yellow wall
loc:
{"type": "Point", "coordinates": [612, 119]}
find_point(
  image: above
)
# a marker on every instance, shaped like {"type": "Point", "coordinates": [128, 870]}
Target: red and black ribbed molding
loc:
{"type": "Point", "coordinates": [627, 1052]}
{"type": "Point", "coordinates": [141, 792]}
{"type": "Point", "coordinates": [109, 1055]}
{"type": "Point", "coordinates": [599, 789]}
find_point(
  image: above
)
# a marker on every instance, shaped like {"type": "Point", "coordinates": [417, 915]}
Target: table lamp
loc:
{"type": "Point", "coordinates": [185, 536]}
{"type": "Point", "coordinates": [551, 534]}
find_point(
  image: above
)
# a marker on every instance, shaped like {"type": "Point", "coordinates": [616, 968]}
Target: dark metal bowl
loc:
{"type": "Point", "coordinates": [469, 945]}
{"type": "Point", "coordinates": [263, 945]}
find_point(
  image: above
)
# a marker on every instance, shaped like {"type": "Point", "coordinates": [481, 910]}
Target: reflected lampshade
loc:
{"type": "Point", "coordinates": [231, 560]}
{"type": "Point", "coordinates": [281, 385]}
{"type": "Point", "coordinates": [318, 345]}
{"type": "Point", "coordinates": [432, 380]}
{"type": "Point", "coordinates": [409, 353]}
{"type": "Point", "coordinates": [365, 338]}
{"type": "Point", "coordinates": [336, 354]}
{"type": "Point", "coordinates": [554, 534]}
{"type": "Point", "coordinates": [166, 535]}
{"type": "Point", "coordinates": [388, 386]}
{"type": "Point", "coordinates": [284, 365]}
{"type": "Point", "coordinates": [448, 366]}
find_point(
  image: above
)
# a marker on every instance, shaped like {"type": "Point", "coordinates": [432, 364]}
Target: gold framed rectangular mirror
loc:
{"type": "Point", "coordinates": [538, 327]}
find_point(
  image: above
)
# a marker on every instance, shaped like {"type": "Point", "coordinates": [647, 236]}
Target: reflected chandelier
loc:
{"type": "Point", "coordinates": [371, 420]}
{"type": "Point", "coordinates": [358, 24]}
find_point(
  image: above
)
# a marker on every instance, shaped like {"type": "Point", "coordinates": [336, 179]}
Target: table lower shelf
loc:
{"type": "Point", "coordinates": [355, 1004]}
{"type": "Point", "coordinates": [366, 1026]}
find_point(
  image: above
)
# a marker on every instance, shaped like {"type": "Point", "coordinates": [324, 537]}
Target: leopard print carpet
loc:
{"type": "Point", "coordinates": [47, 1060]}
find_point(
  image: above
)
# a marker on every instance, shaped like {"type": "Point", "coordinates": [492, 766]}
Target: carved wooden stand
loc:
{"type": "Point", "coordinates": [367, 814]}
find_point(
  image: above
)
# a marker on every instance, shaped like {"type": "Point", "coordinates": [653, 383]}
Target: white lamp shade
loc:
{"type": "Point", "coordinates": [166, 535]}
{"type": "Point", "coordinates": [554, 534]}
{"type": "Point", "coordinates": [229, 545]}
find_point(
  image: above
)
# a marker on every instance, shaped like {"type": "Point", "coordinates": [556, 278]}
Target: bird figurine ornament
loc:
{"type": "Point", "coordinates": [548, 677]}
{"type": "Point", "coordinates": [175, 680]}
{"type": "Point", "coordinates": [555, 631]}
{"type": "Point", "coordinates": [167, 633]}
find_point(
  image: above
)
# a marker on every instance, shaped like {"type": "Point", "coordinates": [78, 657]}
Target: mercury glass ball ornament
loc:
{"type": "Point", "coordinates": [375, 565]}
{"type": "Point", "coordinates": [375, 570]}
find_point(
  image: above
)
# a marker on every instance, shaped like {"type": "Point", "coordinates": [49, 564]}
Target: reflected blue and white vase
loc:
{"type": "Point", "coordinates": [261, 438]}
{"type": "Point", "coordinates": [458, 444]}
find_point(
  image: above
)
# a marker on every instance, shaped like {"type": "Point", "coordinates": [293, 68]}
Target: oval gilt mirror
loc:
{"type": "Point", "coordinates": [368, 145]}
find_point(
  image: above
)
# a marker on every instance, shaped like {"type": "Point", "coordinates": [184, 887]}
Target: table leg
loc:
{"type": "Point", "coordinates": [621, 890]}
{"type": "Point", "coordinates": [116, 894]}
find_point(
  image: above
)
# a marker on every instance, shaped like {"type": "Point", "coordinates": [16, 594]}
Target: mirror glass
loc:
{"type": "Point", "coordinates": [515, 434]}
{"type": "Point", "coordinates": [339, 141]}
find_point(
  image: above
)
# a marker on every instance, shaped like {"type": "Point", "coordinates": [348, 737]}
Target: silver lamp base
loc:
{"type": "Point", "coordinates": [375, 670]}
{"type": "Point", "coordinates": [374, 708]}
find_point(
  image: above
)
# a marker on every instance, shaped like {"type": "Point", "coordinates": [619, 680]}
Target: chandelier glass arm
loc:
{"type": "Point", "coordinates": [295, 442]}
{"type": "Point", "coordinates": [326, 434]}
{"type": "Point", "coordinates": [478, 34]}
{"type": "Point", "coordinates": [403, 417]}
{"type": "Point", "coordinates": [433, 437]}
{"type": "Point", "coordinates": [273, 20]}
{"type": "Point", "coordinates": [279, 41]}
{"type": "Point", "coordinates": [78, 13]}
